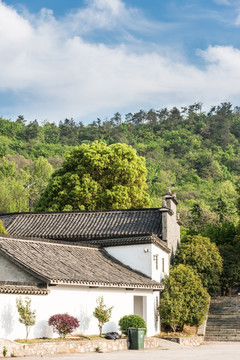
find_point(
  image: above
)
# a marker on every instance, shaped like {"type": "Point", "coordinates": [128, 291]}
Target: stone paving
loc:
{"type": "Point", "coordinates": [167, 351]}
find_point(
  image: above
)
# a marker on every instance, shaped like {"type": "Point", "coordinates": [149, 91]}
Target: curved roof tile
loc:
{"type": "Point", "coordinates": [60, 263]}
{"type": "Point", "coordinates": [84, 224]}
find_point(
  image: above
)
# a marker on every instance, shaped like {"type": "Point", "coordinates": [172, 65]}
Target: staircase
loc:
{"type": "Point", "coordinates": [223, 322]}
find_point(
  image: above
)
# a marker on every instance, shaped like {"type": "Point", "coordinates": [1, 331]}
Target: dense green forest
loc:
{"type": "Point", "coordinates": [196, 152]}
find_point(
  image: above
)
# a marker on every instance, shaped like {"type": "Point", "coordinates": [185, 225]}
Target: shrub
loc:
{"type": "Point", "coordinates": [203, 257]}
{"type": "Point", "coordinates": [27, 316]}
{"type": "Point", "coordinates": [5, 351]}
{"type": "Point", "coordinates": [101, 313]}
{"type": "Point", "coordinates": [2, 228]}
{"type": "Point", "coordinates": [63, 324]}
{"type": "Point", "coordinates": [184, 300]}
{"type": "Point", "coordinates": [134, 321]}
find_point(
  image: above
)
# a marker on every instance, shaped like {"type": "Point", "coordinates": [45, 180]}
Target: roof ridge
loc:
{"type": "Point", "coordinates": [79, 211]}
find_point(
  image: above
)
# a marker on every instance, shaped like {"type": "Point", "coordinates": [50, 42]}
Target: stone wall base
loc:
{"type": "Point", "coordinates": [187, 340]}
{"type": "Point", "coordinates": [51, 348]}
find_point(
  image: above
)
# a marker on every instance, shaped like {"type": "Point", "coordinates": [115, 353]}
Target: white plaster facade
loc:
{"type": "Point", "coordinates": [79, 302]}
{"type": "Point", "coordinates": [146, 258]}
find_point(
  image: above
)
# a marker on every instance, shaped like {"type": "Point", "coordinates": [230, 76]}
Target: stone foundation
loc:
{"type": "Point", "coordinates": [84, 346]}
{"type": "Point", "coordinates": [51, 348]}
{"type": "Point", "coordinates": [187, 340]}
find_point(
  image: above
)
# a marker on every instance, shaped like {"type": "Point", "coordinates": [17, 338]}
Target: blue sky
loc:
{"type": "Point", "coordinates": [89, 59]}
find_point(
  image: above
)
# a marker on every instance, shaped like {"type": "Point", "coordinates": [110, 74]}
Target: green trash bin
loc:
{"type": "Point", "coordinates": [136, 338]}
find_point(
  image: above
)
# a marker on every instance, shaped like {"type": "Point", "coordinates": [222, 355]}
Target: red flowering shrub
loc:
{"type": "Point", "coordinates": [63, 324]}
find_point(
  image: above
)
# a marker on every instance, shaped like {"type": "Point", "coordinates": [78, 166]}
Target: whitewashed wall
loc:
{"type": "Point", "coordinates": [79, 302]}
{"type": "Point", "coordinates": [141, 257]}
{"type": "Point", "coordinates": [158, 274]}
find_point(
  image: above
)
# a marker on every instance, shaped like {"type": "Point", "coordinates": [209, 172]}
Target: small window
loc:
{"type": "Point", "coordinates": [162, 264]}
{"type": "Point", "coordinates": [156, 310]}
{"type": "Point", "coordinates": [155, 258]}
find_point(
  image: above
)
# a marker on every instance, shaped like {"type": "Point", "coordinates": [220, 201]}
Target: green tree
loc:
{"type": "Point", "coordinates": [231, 266]}
{"type": "Point", "coordinates": [38, 180]}
{"type": "Point", "coordinates": [97, 176]}
{"type": "Point", "coordinates": [102, 313]}
{"type": "Point", "coordinates": [204, 258]}
{"type": "Point", "coordinates": [2, 228]}
{"type": "Point", "coordinates": [13, 191]}
{"type": "Point", "coordinates": [27, 316]}
{"type": "Point", "coordinates": [184, 300]}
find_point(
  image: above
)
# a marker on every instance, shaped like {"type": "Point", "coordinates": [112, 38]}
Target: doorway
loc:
{"type": "Point", "coordinates": [139, 307]}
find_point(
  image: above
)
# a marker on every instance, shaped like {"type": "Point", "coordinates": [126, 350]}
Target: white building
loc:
{"type": "Point", "coordinates": [65, 261]}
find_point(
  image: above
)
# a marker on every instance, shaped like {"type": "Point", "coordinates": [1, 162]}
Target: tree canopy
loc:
{"type": "Point", "coordinates": [97, 176]}
{"type": "Point", "coordinates": [204, 257]}
{"type": "Point", "coordinates": [184, 300]}
{"type": "Point", "coordinates": [194, 151]}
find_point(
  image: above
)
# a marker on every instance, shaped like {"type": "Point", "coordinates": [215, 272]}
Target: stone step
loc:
{"type": "Point", "coordinates": [223, 326]}
{"type": "Point", "coordinates": [217, 328]}
{"type": "Point", "coordinates": [223, 322]}
{"type": "Point", "coordinates": [222, 332]}
{"type": "Point", "coordinates": [224, 307]}
{"type": "Point", "coordinates": [225, 311]}
{"type": "Point", "coordinates": [223, 318]}
{"type": "Point", "coordinates": [222, 338]}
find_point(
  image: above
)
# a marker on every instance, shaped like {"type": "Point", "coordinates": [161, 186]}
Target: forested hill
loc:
{"type": "Point", "coordinates": [196, 152]}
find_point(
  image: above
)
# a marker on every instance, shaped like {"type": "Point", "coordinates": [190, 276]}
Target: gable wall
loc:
{"type": "Point", "coordinates": [162, 256]}
{"type": "Point", "coordinates": [141, 258]}
{"type": "Point", "coordinates": [11, 272]}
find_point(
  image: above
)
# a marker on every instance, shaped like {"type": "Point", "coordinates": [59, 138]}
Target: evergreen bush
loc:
{"type": "Point", "coordinates": [184, 300]}
{"type": "Point", "coordinates": [134, 321]}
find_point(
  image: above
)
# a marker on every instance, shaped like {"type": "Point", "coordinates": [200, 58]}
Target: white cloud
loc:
{"type": "Point", "coordinates": [222, 2]}
{"type": "Point", "coordinates": [54, 74]}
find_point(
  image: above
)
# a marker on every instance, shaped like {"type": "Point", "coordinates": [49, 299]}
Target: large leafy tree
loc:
{"type": "Point", "coordinates": [38, 180]}
{"type": "Point", "coordinates": [13, 192]}
{"type": "Point", "coordinates": [231, 266]}
{"type": "Point", "coordinates": [203, 256]}
{"type": "Point", "coordinates": [97, 176]}
{"type": "Point", "coordinates": [184, 300]}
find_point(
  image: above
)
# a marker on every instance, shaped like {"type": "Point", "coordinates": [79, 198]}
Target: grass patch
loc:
{"type": "Point", "coordinates": [187, 331]}
{"type": "Point", "coordinates": [75, 337]}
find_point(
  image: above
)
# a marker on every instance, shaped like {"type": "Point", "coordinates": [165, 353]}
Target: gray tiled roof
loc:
{"type": "Point", "coordinates": [145, 239]}
{"type": "Point", "coordinates": [84, 224]}
{"type": "Point", "coordinates": [58, 263]}
{"type": "Point", "coordinates": [22, 289]}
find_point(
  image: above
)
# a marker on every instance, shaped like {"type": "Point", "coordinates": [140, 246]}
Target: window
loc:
{"type": "Point", "coordinates": [155, 258]}
{"type": "Point", "coordinates": [162, 264]}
